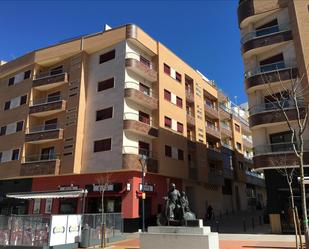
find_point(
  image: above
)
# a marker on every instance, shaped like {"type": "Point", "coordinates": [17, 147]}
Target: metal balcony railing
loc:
{"type": "Point", "coordinates": [225, 126]}
{"type": "Point", "coordinates": [273, 106]}
{"type": "Point", "coordinates": [277, 148]}
{"type": "Point", "coordinates": [48, 100]}
{"type": "Point", "coordinates": [40, 158]}
{"type": "Point", "coordinates": [49, 73]}
{"type": "Point", "coordinates": [265, 32]}
{"type": "Point", "coordinates": [277, 66]}
{"type": "Point", "coordinates": [43, 128]}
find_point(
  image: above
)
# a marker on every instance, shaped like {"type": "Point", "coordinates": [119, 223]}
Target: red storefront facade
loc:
{"type": "Point", "coordinates": [123, 195]}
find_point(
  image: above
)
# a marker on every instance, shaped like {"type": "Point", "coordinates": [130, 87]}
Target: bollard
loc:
{"type": "Point", "coordinates": [244, 224]}
{"type": "Point", "coordinates": [217, 224]}
{"type": "Point", "coordinates": [252, 223]}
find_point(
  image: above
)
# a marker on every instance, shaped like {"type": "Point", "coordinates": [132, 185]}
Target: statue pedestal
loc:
{"type": "Point", "coordinates": [170, 237]}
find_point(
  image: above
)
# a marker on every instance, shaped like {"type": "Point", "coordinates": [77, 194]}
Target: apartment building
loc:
{"type": "Point", "coordinates": [275, 48]}
{"type": "Point", "coordinates": [110, 103]}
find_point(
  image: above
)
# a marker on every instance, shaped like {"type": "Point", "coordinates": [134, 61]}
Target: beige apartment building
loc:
{"type": "Point", "coordinates": [99, 103]}
{"type": "Point", "coordinates": [275, 48]}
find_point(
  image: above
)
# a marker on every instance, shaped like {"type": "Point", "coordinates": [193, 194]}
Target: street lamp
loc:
{"type": "Point", "coordinates": [142, 160]}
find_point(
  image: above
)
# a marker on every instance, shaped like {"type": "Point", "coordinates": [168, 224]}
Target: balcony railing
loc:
{"type": "Point", "coordinates": [49, 73]}
{"type": "Point", "coordinates": [43, 128]}
{"type": "Point", "coordinates": [225, 126]}
{"type": "Point", "coordinates": [265, 32]}
{"type": "Point", "coordinates": [247, 139]}
{"type": "Point", "coordinates": [138, 117]}
{"type": "Point", "coordinates": [225, 108]}
{"type": "Point", "coordinates": [277, 148]}
{"type": "Point", "coordinates": [40, 158]}
{"type": "Point", "coordinates": [141, 59]}
{"type": "Point", "coordinates": [277, 66]}
{"type": "Point", "coordinates": [146, 91]}
{"type": "Point", "coordinates": [48, 100]}
{"type": "Point", "coordinates": [274, 106]}
{"type": "Point", "coordinates": [226, 145]}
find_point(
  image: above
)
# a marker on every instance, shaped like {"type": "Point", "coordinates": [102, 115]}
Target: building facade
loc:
{"type": "Point", "coordinates": [275, 51]}
{"type": "Point", "coordinates": [96, 105]}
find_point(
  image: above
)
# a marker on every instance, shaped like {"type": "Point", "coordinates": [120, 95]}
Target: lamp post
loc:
{"type": "Point", "coordinates": [142, 160]}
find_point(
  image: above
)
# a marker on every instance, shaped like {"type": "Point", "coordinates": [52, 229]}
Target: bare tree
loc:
{"type": "Point", "coordinates": [290, 174]}
{"type": "Point", "coordinates": [288, 98]}
{"type": "Point", "coordinates": [103, 182]}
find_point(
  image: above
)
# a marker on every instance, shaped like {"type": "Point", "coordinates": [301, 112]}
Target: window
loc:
{"type": "Point", "coordinates": [11, 81]}
{"type": "Point", "coordinates": [167, 69]}
{"type": "Point", "coordinates": [144, 89]}
{"type": "Point", "coordinates": [23, 100]}
{"type": "Point", "coordinates": [180, 127]}
{"type": "Point", "coordinates": [178, 77]}
{"type": "Point", "coordinates": [143, 148]}
{"type": "Point", "coordinates": [237, 127]}
{"type": "Point", "coordinates": [7, 105]}
{"type": "Point", "coordinates": [107, 56]}
{"type": "Point", "coordinates": [56, 70]}
{"type": "Point", "coordinates": [143, 117]}
{"type": "Point", "coordinates": [179, 102]}
{"type": "Point", "coordinates": [27, 74]}
{"type": "Point", "coordinates": [15, 154]}
{"type": "Point", "coordinates": [3, 130]}
{"type": "Point", "coordinates": [19, 126]}
{"type": "Point", "coordinates": [51, 124]}
{"type": "Point", "coordinates": [238, 146]}
{"type": "Point", "coordinates": [104, 114]}
{"type": "Point", "coordinates": [105, 84]}
{"type": "Point", "coordinates": [167, 95]}
{"type": "Point", "coordinates": [168, 151]}
{"type": "Point", "coordinates": [47, 153]}
{"type": "Point", "coordinates": [168, 122]}
{"type": "Point", "coordinates": [281, 141]}
{"type": "Point", "coordinates": [143, 60]}
{"type": "Point", "coordinates": [102, 145]}
{"type": "Point", "coordinates": [180, 154]}
{"type": "Point", "coordinates": [56, 96]}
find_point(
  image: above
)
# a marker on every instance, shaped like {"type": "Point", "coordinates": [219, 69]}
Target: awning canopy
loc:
{"type": "Point", "coordinates": [48, 194]}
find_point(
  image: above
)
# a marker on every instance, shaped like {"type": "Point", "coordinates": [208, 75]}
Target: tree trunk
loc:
{"type": "Point", "coordinates": [303, 200]}
{"type": "Point", "coordinates": [299, 228]}
{"type": "Point", "coordinates": [294, 213]}
{"type": "Point", "coordinates": [102, 221]}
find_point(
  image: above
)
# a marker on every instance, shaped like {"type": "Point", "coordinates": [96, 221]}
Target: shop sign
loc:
{"type": "Point", "coordinates": [147, 187]}
{"type": "Point", "coordinates": [70, 187]}
{"type": "Point", "coordinates": [73, 228]}
{"type": "Point", "coordinates": [97, 188]}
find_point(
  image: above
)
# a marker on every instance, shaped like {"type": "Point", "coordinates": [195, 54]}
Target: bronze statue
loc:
{"type": "Point", "coordinates": [177, 211]}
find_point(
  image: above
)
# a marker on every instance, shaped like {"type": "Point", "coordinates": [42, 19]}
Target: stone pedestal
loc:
{"type": "Point", "coordinates": [169, 237]}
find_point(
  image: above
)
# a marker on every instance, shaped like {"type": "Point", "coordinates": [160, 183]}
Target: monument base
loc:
{"type": "Point", "coordinates": [170, 237]}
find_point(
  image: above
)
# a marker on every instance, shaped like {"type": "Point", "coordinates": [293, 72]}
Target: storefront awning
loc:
{"type": "Point", "coordinates": [48, 194]}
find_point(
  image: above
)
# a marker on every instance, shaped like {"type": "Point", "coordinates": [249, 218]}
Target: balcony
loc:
{"type": "Point", "coordinates": [261, 38]}
{"type": "Point", "coordinates": [278, 154]}
{"type": "Point", "coordinates": [40, 165]}
{"type": "Point", "coordinates": [139, 124]}
{"type": "Point", "coordinates": [224, 112]}
{"type": "Point", "coordinates": [143, 96]}
{"type": "Point", "coordinates": [50, 79]}
{"type": "Point", "coordinates": [226, 130]}
{"type": "Point", "coordinates": [190, 119]}
{"type": "Point", "coordinates": [43, 134]}
{"type": "Point", "coordinates": [131, 159]}
{"type": "Point", "coordinates": [141, 66]}
{"type": "Point", "coordinates": [255, 178]}
{"type": "Point", "coordinates": [211, 111]}
{"type": "Point", "coordinates": [270, 73]}
{"type": "Point", "coordinates": [248, 159]}
{"type": "Point", "coordinates": [247, 142]}
{"type": "Point", "coordinates": [47, 106]}
{"type": "Point", "coordinates": [189, 96]}
{"type": "Point", "coordinates": [270, 113]}
{"type": "Point", "coordinates": [214, 154]}
{"type": "Point", "coordinates": [215, 177]}
{"type": "Point", "coordinates": [213, 131]}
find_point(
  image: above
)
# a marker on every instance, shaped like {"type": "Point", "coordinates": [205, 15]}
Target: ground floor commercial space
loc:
{"type": "Point", "coordinates": [123, 195]}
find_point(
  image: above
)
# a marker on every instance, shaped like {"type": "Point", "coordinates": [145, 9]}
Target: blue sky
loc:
{"type": "Point", "coordinates": [204, 33]}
